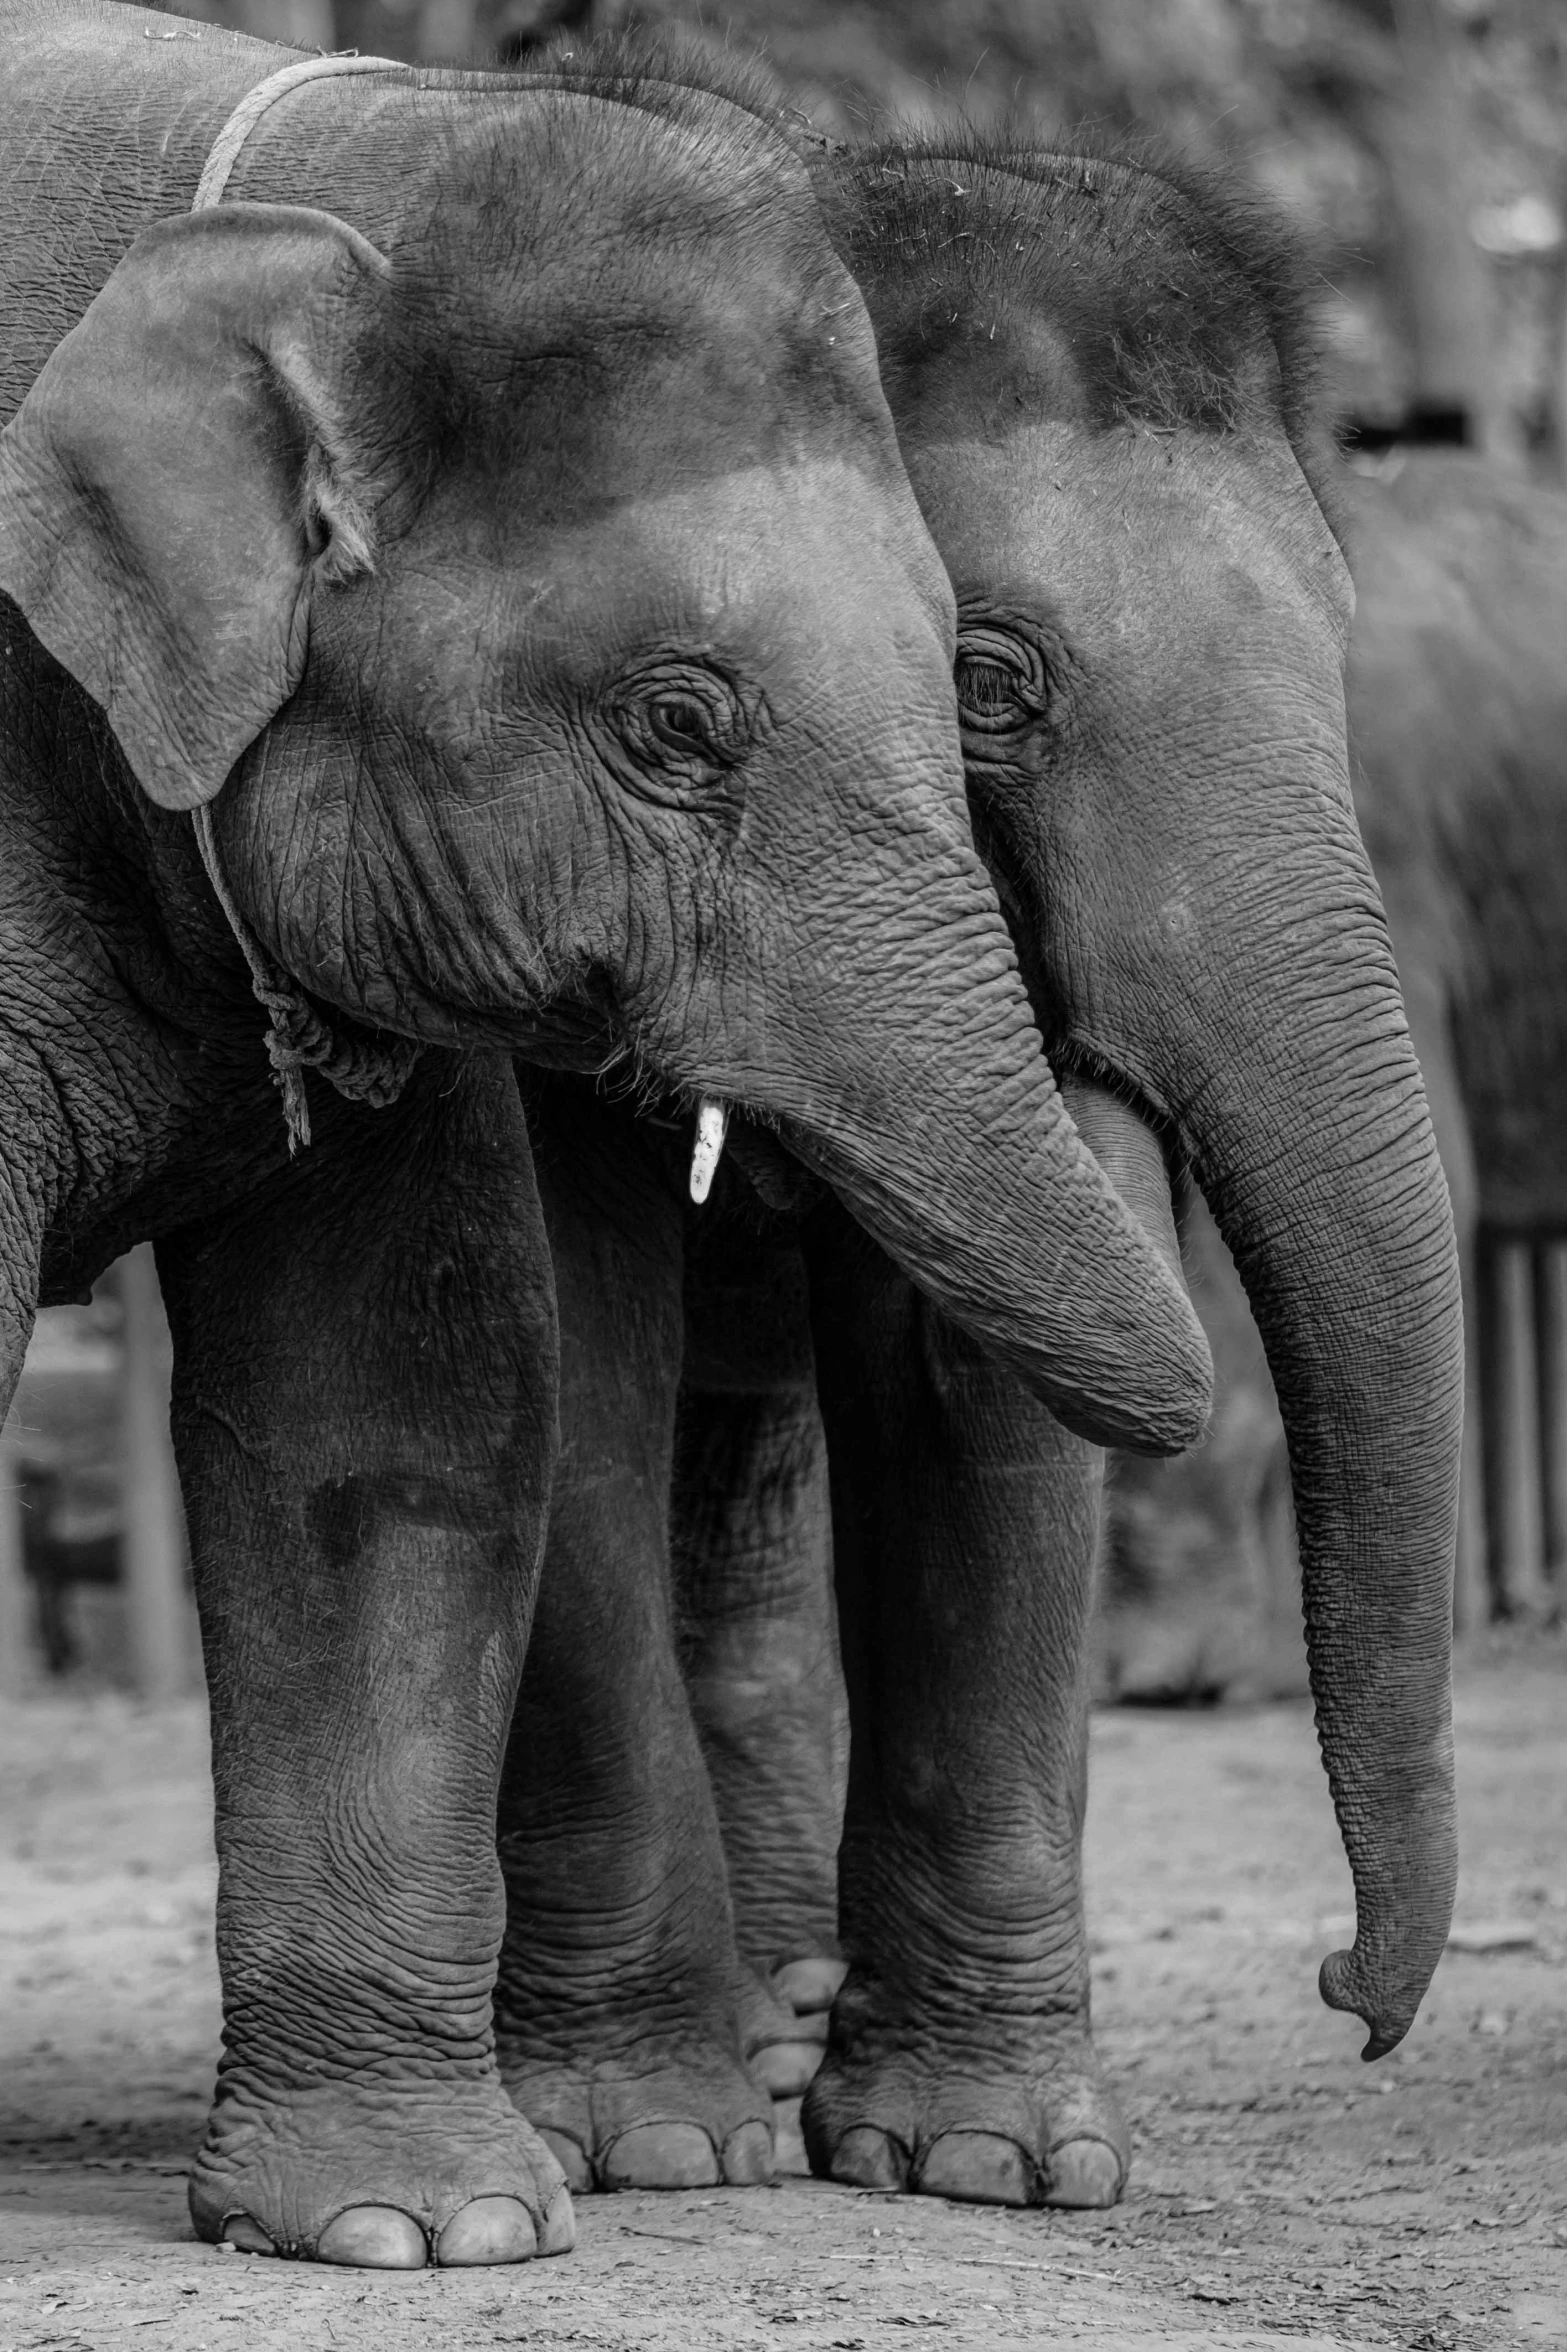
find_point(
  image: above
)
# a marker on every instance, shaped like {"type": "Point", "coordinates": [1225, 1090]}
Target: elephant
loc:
{"type": "Point", "coordinates": [1457, 718]}
{"type": "Point", "coordinates": [462, 590]}
{"type": "Point", "coordinates": [1100, 373]}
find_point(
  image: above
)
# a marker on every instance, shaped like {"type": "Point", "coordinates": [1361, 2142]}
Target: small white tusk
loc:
{"type": "Point", "coordinates": [712, 1125]}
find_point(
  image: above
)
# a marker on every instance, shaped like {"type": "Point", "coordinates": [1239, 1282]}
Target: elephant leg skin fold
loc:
{"type": "Point", "coordinates": [620, 1996]}
{"type": "Point", "coordinates": [364, 1414]}
{"type": "Point", "coordinates": [959, 2059]}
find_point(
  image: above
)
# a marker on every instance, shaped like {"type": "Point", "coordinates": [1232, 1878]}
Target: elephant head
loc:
{"type": "Point", "coordinates": [543, 611]}
{"type": "Point", "coordinates": [1099, 383]}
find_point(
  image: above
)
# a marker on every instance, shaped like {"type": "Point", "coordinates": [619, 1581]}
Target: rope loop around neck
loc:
{"type": "Point", "coordinates": [299, 1038]}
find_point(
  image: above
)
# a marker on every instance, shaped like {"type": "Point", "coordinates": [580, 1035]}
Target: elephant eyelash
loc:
{"type": "Point", "coordinates": [980, 671]}
{"type": "Point", "coordinates": [1002, 680]}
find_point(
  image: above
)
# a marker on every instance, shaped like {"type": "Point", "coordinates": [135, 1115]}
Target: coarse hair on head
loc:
{"type": "Point", "coordinates": [665, 71]}
{"type": "Point", "coordinates": [513, 180]}
{"type": "Point", "coordinates": [1181, 297]}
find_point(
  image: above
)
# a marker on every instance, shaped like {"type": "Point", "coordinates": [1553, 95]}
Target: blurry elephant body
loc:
{"type": "Point", "coordinates": [1458, 722]}
{"type": "Point", "coordinates": [1458, 731]}
{"type": "Point", "coordinates": [465, 591]}
{"type": "Point", "coordinates": [1097, 380]}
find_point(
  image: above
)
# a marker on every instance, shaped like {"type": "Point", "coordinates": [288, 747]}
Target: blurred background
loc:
{"type": "Point", "coordinates": [1423, 145]}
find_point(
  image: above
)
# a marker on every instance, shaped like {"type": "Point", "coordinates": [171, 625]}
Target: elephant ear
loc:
{"type": "Point", "coordinates": [179, 478]}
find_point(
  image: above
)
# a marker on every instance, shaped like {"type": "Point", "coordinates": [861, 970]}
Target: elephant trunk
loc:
{"type": "Point", "coordinates": [1311, 1140]}
{"type": "Point", "coordinates": [926, 1102]}
{"type": "Point", "coordinates": [985, 1193]}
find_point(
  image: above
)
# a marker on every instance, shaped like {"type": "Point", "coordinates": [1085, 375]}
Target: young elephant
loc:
{"type": "Point", "coordinates": [1098, 381]}
{"type": "Point", "coordinates": [501, 545]}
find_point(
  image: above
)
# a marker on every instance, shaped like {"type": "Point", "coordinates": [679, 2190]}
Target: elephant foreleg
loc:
{"type": "Point", "coordinates": [364, 1415]}
{"type": "Point", "coordinates": [959, 2058]}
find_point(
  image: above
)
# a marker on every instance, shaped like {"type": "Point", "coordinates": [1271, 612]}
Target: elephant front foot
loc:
{"type": "Point", "coordinates": [646, 2106]}
{"type": "Point", "coordinates": [1017, 2116]}
{"type": "Point", "coordinates": [380, 2173]}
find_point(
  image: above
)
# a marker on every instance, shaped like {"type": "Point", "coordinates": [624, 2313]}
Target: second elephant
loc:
{"type": "Point", "coordinates": [1101, 392]}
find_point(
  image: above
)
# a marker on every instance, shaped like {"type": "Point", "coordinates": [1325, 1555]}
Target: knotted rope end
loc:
{"type": "Point", "coordinates": [290, 1082]}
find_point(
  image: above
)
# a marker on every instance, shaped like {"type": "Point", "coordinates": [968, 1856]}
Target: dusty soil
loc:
{"type": "Point", "coordinates": [1281, 2189]}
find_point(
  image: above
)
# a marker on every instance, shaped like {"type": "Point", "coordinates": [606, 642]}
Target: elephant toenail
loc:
{"type": "Point", "coordinates": [809, 1985]}
{"type": "Point", "coordinates": [1084, 2173]}
{"type": "Point", "coordinates": [560, 2225]}
{"type": "Point", "coordinates": [748, 2156]}
{"type": "Point", "coordinates": [373, 2237]}
{"type": "Point", "coordinates": [570, 2156]}
{"type": "Point", "coordinates": [487, 2229]}
{"type": "Point", "coordinates": [870, 2159]}
{"type": "Point", "coordinates": [980, 2168]}
{"type": "Point", "coordinates": [248, 2236]}
{"type": "Point", "coordinates": [661, 2156]}
{"type": "Point", "coordinates": [785, 2068]}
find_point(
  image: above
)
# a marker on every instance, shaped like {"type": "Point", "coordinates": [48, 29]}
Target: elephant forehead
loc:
{"type": "Point", "coordinates": [990, 376]}
{"type": "Point", "coordinates": [594, 281]}
{"type": "Point", "coordinates": [813, 561]}
{"type": "Point", "coordinates": [1095, 526]}
{"type": "Point", "coordinates": [563, 413]}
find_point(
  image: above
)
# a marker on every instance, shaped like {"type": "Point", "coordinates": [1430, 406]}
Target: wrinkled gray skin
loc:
{"type": "Point", "coordinates": [1458, 724]}
{"type": "Point", "coordinates": [1152, 617]}
{"type": "Point", "coordinates": [505, 539]}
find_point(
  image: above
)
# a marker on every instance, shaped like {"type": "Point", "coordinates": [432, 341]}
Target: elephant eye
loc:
{"type": "Point", "coordinates": [680, 728]}
{"type": "Point", "coordinates": [1001, 682]}
{"type": "Point", "coordinates": [680, 722]}
{"type": "Point", "coordinates": [989, 692]}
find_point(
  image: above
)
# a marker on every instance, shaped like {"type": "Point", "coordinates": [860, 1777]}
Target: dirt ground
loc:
{"type": "Point", "coordinates": [1281, 2189]}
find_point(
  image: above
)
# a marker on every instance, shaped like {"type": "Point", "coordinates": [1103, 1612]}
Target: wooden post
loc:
{"type": "Point", "coordinates": [16, 1614]}
{"type": "Point", "coordinates": [1418, 124]}
{"type": "Point", "coordinates": [157, 1605]}
{"type": "Point", "coordinates": [1512, 1409]}
{"type": "Point", "coordinates": [1551, 1305]}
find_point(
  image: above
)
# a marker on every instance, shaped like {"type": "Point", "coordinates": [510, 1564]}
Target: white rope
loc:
{"type": "Point", "coordinates": [255, 103]}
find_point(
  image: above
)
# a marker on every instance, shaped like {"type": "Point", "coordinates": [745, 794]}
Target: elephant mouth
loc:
{"type": "Point", "coordinates": [1134, 1144]}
